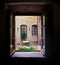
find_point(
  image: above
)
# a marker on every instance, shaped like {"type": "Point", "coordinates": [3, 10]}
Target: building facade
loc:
{"type": "Point", "coordinates": [31, 25]}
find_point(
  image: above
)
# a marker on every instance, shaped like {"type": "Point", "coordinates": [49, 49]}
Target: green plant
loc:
{"type": "Point", "coordinates": [11, 46]}
{"type": "Point", "coordinates": [32, 48]}
{"type": "Point", "coordinates": [26, 48]}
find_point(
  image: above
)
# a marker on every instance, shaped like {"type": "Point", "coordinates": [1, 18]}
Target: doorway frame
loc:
{"type": "Point", "coordinates": [21, 29]}
{"type": "Point", "coordinates": [48, 46]}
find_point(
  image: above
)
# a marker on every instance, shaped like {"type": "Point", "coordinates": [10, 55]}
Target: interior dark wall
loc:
{"type": "Point", "coordinates": [53, 26]}
{"type": "Point", "coordinates": [48, 31]}
{"type": "Point", "coordinates": [27, 0]}
{"type": "Point", "coordinates": [56, 33]}
{"type": "Point", "coordinates": [56, 27]}
{"type": "Point", "coordinates": [23, 8]}
{"type": "Point", "coordinates": [3, 32]}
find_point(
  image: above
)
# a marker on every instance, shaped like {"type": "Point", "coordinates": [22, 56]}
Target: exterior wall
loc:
{"type": "Point", "coordinates": [29, 21]}
{"type": "Point", "coordinates": [39, 30]}
{"type": "Point", "coordinates": [44, 29]}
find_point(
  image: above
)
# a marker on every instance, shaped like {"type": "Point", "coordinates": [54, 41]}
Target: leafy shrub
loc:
{"type": "Point", "coordinates": [25, 48]}
{"type": "Point", "coordinates": [11, 46]}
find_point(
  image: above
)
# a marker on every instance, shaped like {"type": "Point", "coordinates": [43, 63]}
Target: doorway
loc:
{"type": "Point", "coordinates": [28, 35]}
{"type": "Point", "coordinates": [23, 32]}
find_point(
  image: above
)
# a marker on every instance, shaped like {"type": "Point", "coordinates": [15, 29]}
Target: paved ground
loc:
{"type": "Point", "coordinates": [28, 54]}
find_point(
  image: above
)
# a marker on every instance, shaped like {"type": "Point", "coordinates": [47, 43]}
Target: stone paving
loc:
{"type": "Point", "coordinates": [28, 54]}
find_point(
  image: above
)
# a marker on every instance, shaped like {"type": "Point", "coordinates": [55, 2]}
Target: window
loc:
{"type": "Point", "coordinates": [23, 29]}
{"type": "Point", "coordinates": [34, 30]}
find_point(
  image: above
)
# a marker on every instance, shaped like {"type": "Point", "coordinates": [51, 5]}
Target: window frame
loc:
{"type": "Point", "coordinates": [34, 30]}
